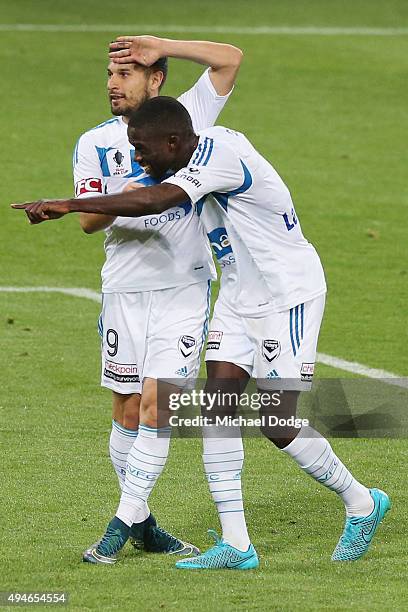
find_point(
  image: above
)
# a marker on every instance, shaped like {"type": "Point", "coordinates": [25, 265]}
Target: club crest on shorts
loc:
{"type": "Point", "coordinates": [186, 345]}
{"type": "Point", "coordinates": [271, 349]}
{"type": "Point", "coordinates": [214, 340]}
{"type": "Point", "coordinates": [306, 372]}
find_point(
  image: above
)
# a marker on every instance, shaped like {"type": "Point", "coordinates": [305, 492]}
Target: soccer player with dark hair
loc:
{"type": "Point", "coordinates": [150, 270]}
{"type": "Point", "coordinates": [266, 319]}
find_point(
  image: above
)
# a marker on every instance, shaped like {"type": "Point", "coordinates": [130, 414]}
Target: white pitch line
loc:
{"type": "Point", "coordinates": [251, 31]}
{"type": "Point", "coordinates": [75, 291]}
{"type": "Point", "coordinates": [358, 368]}
{"type": "Point", "coordinates": [334, 362]}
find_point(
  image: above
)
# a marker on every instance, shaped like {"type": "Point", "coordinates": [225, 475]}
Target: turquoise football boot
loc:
{"type": "Point", "coordinates": [222, 556]}
{"type": "Point", "coordinates": [104, 552]}
{"type": "Point", "coordinates": [359, 530]}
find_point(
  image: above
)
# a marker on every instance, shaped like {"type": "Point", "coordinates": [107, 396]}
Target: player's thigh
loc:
{"type": "Point", "coordinates": [228, 342]}
{"type": "Point", "coordinates": [285, 346]}
{"type": "Point", "coordinates": [176, 334]}
{"type": "Point", "coordinates": [124, 322]}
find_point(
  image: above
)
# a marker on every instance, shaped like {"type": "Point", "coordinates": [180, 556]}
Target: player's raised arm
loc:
{"type": "Point", "coordinates": [224, 60]}
{"type": "Point", "coordinates": [132, 203]}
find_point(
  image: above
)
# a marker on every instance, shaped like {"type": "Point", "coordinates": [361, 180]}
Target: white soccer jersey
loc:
{"type": "Point", "coordinates": [276, 268]}
{"type": "Point", "coordinates": [156, 251]}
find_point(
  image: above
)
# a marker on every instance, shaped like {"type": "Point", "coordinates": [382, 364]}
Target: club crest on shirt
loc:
{"type": "Point", "coordinates": [271, 349]}
{"type": "Point", "coordinates": [116, 163]}
{"type": "Point", "coordinates": [186, 345]}
{"type": "Point", "coordinates": [118, 157]}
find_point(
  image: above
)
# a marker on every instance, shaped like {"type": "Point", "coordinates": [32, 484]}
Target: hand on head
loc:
{"type": "Point", "coordinates": [144, 50]}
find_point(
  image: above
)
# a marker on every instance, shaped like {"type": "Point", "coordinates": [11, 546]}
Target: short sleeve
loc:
{"type": "Point", "coordinates": [203, 103]}
{"type": "Point", "coordinates": [88, 177]}
{"type": "Point", "coordinates": [222, 173]}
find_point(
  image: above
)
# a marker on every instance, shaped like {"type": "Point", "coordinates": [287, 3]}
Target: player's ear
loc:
{"type": "Point", "coordinates": [155, 80]}
{"type": "Point", "coordinates": [173, 142]}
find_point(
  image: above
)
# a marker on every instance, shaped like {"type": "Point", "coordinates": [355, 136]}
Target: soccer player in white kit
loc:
{"type": "Point", "coordinates": [155, 288]}
{"type": "Point", "coordinates": [266, 319]}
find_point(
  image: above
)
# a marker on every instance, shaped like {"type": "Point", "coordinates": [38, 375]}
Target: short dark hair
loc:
{"type": "Point", "coordinates": [162, 65]}
{"type": "Point", "coordinates": [163, 113]}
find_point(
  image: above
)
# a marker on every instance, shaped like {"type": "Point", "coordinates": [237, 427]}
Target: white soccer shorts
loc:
{"type": "Point", "coordinates": [279, 350]}
{"type": "Point", "coordinates": [156, 334]}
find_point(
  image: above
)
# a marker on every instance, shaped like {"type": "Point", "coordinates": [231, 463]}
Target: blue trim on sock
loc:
{"type": "Point", "coordinates": [128, 432]}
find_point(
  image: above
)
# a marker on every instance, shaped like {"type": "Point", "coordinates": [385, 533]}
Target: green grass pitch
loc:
{"type": "Point", "coordinates": [330, 113]}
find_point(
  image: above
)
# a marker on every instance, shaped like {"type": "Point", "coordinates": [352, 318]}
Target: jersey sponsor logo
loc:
{"type": "Point", "coordinates": [164, 218]}
{"type": "Point", "coordinates": [189, 178]}
{"type": "Point", "coordinates": [220, 242]}
{"type": "Point", "coordinates": [214, 340]}
{"type": "Point", "coordinates": [306, 372]}
{"type": "Point", "coordinates": [186, 345]}
{"type": "Point", "coordinates": [271, 349]}
{"type": "Point", "coordinates": [88, 185]}
{"type": "Point", "coordinates": [194, 170]}
{"type": "Point", "coordinates": [121, 372]}
{"type": "Point", "coordinates": [290, 221]}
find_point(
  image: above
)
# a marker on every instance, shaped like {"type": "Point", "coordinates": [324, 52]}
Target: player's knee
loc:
{"type": "Point", "coordinates": [148, 403]}
{"type": "Point", "coordinates": [148, 413]}
{"type": "Point", "coordinates": [126, 409]}
{"type": "Point", "coordinates": [279, 420]}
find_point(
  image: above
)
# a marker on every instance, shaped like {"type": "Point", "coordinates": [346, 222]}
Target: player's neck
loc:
{"type": "Point", "coordinates": [187, 152]}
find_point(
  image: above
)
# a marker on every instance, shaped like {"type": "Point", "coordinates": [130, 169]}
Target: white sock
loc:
{"type": "Point", "coordinates": [120, 442]}
{"type": "Point", "coordinates": [223, 459]}
{"type": "Point", "coordinates": [315, 456]}
{"type": "Point", "coordinates": [145, 463]}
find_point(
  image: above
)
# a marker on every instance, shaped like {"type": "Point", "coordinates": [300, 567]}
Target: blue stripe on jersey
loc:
{"type": "Point", "coordinates": [200, 146]}
{"type": "Point", "coordinates": [297, 325]}
{"type": "Point", "coordinates": [222, 198]}
{"type": "Point", "coordinates": [100, 326]}
{"type": "Point", "coordinates": [199, 205]}
{"type": "Point", "coordinates": [136, 168]}
{"type": "Point", "coordinates": [207, 317]}
{"type": "Point", "coordinates": [200, 159]}
{"type": "Point", "coordinates": [187, 207]}
{"type": "Point", "coordinates": [102, 159]}
{"type": "Point", "coordinates": [113, 120]}
{"type": "Point", "coordinates": [100, 321]}
{"type": "Point", "coordinates": [291, 331]}
{"type": "Point", "coordinates": [302, 307]}
{"type": "Point", "coordinates": [209, 152]}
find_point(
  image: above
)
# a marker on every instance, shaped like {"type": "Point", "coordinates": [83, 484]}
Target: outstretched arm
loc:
{"type": "Point", "coordinates": [224, 60]}
{"type": "Point", "coordinates": [133, 203]}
